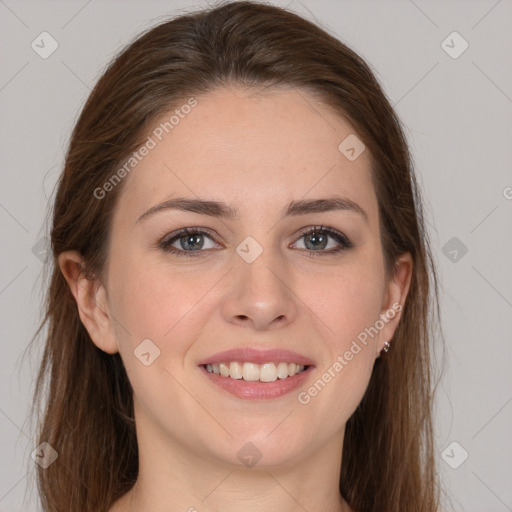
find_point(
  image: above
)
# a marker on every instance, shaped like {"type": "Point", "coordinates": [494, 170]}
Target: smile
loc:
{"type": "Point", "coordinates": [256, 374]}
{"type": "Point", "coordinates": [252, 372]}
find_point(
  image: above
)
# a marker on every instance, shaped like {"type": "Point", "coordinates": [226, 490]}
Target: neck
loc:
{"type": "Point", "coordinates": [174, 479]}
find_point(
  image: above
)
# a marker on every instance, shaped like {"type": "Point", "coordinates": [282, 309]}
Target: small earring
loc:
{"type": "Point", "coordinates": [387, 345]}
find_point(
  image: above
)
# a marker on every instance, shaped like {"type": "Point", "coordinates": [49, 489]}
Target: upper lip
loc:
{"type": "Point", "coordinates": [258, 356]}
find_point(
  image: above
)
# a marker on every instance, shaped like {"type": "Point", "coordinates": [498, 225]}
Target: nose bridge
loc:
{"type": "Point", "coordinates": [259, 293]}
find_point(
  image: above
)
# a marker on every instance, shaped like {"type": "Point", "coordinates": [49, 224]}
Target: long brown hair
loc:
{"type": "Point", "coordinates": [84, 395]}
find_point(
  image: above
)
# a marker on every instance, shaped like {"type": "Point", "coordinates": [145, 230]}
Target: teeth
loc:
{"type": "Point", "coordinates": [268, 372]}
{"type": "Point", "coordinates": [224, 370]}
{"type": "Point", "coordinates": [282, 370]}
{"type": "Point", "coordinates": [235, 371]}
{"type": "Point", "coordinates": [250, 371]}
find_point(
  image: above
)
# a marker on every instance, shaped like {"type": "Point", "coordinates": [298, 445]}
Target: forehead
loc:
{"type": "Point", "coordinates": [245, 146]}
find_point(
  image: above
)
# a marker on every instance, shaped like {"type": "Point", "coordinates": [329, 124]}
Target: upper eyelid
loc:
{"type": "Point", "coordinates": [327, 229]}
{"type": "Point", "coordinates": [192, 230]}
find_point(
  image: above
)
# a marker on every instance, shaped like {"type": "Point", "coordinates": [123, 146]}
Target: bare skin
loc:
{"type": "Point", "coordinates": [257, 153]}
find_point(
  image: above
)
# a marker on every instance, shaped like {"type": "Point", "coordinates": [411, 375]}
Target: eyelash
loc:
{"type": "Point", "coordinates": [345, 243]}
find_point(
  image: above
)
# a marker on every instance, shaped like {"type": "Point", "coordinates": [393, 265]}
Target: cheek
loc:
{"type": "Point", "coordinates": [154, 303]}
{"type": "Point", "coordinates": [347, 301]}
{"type": "Point", "coordinates": [348, 304]}
{"type": "Point", "coordinates": [157, 303]}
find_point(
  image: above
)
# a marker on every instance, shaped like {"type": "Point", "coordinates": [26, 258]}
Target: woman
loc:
{"type": "Point", "coordinates": [239, 313]}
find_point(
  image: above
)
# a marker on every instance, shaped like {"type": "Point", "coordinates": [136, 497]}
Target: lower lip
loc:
{"type": "Point", "coordinates": [257, 390]}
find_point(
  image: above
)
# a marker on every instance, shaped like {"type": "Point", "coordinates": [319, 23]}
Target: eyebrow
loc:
{"type": "Point", "coordinates": [223, 210]}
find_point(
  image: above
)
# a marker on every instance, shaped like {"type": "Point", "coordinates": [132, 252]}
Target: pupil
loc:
{"type": "Point", "coordinates": [316, 240]}
{"type": "Point", "coordinates": [193, 242]}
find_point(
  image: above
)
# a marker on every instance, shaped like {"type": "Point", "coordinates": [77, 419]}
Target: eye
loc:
{"type": "Point", "coordinates": [323, 240]}
{"type": "Point", "coordinates": [188, 241]}
{"type": "Point", "coordinates": [317, 241]}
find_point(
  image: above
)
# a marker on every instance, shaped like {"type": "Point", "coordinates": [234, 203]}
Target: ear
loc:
{"type": "Point", "coordinates": [91, 299]}
{"type": "Point", "coordinates": [394, 297]}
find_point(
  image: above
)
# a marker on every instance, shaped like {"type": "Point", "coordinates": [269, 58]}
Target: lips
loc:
{"type": "Point", "coordinates": [270, 384]}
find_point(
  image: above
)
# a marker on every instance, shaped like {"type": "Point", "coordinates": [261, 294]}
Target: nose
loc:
{"type": "Point", "coordinates": [260, 294]}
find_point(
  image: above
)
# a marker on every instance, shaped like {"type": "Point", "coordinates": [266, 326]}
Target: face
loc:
{"type": "Point", "coordinates": [281, 264]}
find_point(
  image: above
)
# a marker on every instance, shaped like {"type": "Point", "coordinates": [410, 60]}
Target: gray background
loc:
{"type": "Point", "coordinates": [457, 113]}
